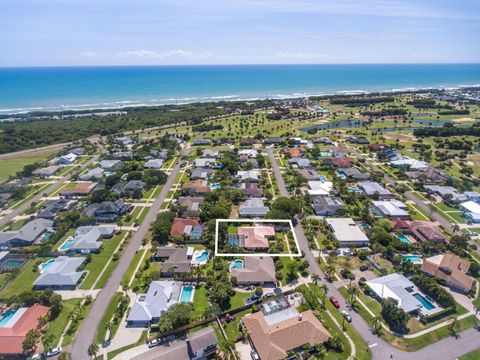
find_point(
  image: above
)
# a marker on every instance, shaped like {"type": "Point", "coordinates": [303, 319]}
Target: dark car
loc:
{"type": "Point", "coordinates": [364, 268]}
{"type": "Point", "coordinates": [255, 297]}
{"type": "Point", "coordinates": [335, 302]}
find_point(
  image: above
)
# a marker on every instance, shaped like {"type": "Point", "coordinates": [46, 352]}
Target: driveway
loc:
{"type": "Point", "coordinates": [243, 350]}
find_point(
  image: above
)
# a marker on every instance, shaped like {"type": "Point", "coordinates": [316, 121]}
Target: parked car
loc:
{"type": "Point", "coordinates": [54, 351]}
{"type": "Point", "coordinates": [153, 343]}
{"type": "Point", "coordinates": [335, 302]}
{"type": "Point", "coordinates": [268, 295]}
{"type": "Point", "coordinates": [106, 343]}
{"type": "Point", "coordinates": [255, 297]}
{"type": "Point", "coordinates": [254, 355]}
{"type": "Point", "coordinates": [364, 268]}
{"type": "Point", "coordinates": [346, 315]}
{"type": "Point", "coordinates": [37, 357]}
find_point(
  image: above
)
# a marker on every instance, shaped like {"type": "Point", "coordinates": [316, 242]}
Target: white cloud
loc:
{"type": "Point", "coordinates": [170, 54]}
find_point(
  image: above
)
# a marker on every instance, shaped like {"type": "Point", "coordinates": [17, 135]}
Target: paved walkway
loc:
{"type": "Point", "coordinates": [77, 294]}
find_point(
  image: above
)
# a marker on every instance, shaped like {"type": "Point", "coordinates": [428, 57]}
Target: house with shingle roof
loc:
{"type": "Point", "coordinates": [191, 205]}
{"type": "Point", "coordinates": [256, 270]}
{"type": "Point", "coordinates": [251, 189]}
{"type": "Point", "coordinates": [200, 173]}
{"type": "Point", "coordinates": [175, 260]}
{"type": "Point", "coordinates": [153, 164]}
{"type": "Point", "coordinates": [196, 187]}
{"type": "Point", "coordinates": [300, 162]}
{"type": "Point", "coordinates": [253, 208]}
{"type": "Point", "coordinates": [374, 190]}
{"type": "Point", "coordinates": [28, 234]}
{"type": "Point", "coordinates": [450, 269]}
{"type": "Point", "coordinates": [61, 274]}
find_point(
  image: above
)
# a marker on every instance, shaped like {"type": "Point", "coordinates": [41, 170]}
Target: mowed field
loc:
{"type": "Point", "coordinates": [11, 166]}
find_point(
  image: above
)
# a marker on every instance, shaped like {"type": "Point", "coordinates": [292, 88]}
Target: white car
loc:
{"type": "Point", "coordinates": [254, 355]}
{"type": "Point", "coordinates": [37, 357]}
{"type": "Point", "coordinates": [153, 343]}
{"type": "Point", "coordinates": [346, 315]}
{"type": "Point", "coordinates": [54, 351]}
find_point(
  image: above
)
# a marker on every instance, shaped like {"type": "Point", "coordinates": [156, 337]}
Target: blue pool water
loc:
{"type": "Point", "coordinates": [426, 304]}
{"type": "Point", "coordinates": [354, 190]}
{"type": "Point", "coordinates": [403, 238]}
{"type": "Point", "coordinates": [322, 178]}
{"type": "Point", "coordinates": [187, 294]}
{"type": "Point", "coordinates": [413, 259]}
{"type": "Point", "coordinates": [203, 257]}
{"type": "Point", "coordinates": [66, 245]}
{"type": "Point", "coordinates": [47, 264]}
{"type": "Point", "coordinates": [237, 264]}
{"type": "Point", "coordinates": [7, 316]}
{"type": "Point", "coordinates": [215, 186]}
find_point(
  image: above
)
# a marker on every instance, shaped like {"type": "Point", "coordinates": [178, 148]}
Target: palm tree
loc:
{"type": "Point", "coordinates": [353, 292]}
{"type": "Point", "coordinates": [455, 228]}
{"type": "Point", "coordinates": [93, 350]}
{"type": "Point", "coordinates": [376, 323]}
{"type": "Point", "coordinates": [324, 290]}
{"type": "Point", "coordinates": [315, 279]}
{"type": "Point", "coordinates": [329, 270]}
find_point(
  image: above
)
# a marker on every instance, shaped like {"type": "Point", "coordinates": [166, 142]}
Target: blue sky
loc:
{"type": "Point", "coordinates": [148, 32]}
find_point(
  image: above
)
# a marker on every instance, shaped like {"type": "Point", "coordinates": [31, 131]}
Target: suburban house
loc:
{"type": "Point", "coordinates": [52, 207]}
{"type": "Point", "coordinates": [374, 190]}
{"type": "Point", "coordinates": [447, 193]}
{"type": "Point", "coordinates": [210, 153]}
{"type": "Point", "coordinates": [196, 187]}
{"type": "Point", "coordinates": [110, 164]}
{"type": "Point", "coordinates": [248, 152]}
{"type": "Point", "coordinates": [199, 345]}
{"type": "Point", "coordinates": [28, 234]}
{"type": "Point", "coordinates": [408, 163]}
{"type": "Point", "coordinates": [347, 232]}
{"type": "Point", "coordinates": [272, 140]}
{"type": "Point", "coordinates": [451, 270]}
{"type": "Point", "coordinates": [309, 174]}
{"type": "Point", "coordinates": [199, 142]}
{"type": "Point", "coordinates": [107, 211]}
{"type": "Point", "coordinates": [353, 173]}
{"type": "Point", "coordinates": [191, 205]}
{"type": "Point", "coordinates": [429, 175]}
{"type": "Point", "coordinates": [67, 159]}
{"type": "Point", "coordinates": [14, 330]}
{"type": "Point", "coordinates": [155, 164]}
{"type": "Point", "coordinates": [295, 152]}
{"type": "Point", "coordinates": [60, 274]}
{"type": "Point", "coordinates": [148, 308]}
{"type": "Point", "coordinates": [327, 205]}
{"type": "Point", "coordinates": [253, 237]}
{"type": "Point", "coordinates": [189, 227]}
{"type": "Point", "coordinates": [398, 287]}
{"type": "Point", "coordinates": [200, 173]}
{"type": "Point", "coordinates": [274, 335]}
{"type": "Point", "coordinates": [175, 260]}
{"type": "Point", "coordinates": [87, 238]}
{"type": "Point", "coordinates": [160, 154]}
{"type": "Point", "coordinates": [124, 140]}
{"type": "Point", "coordinates": [46, 171]}
{"type": "Point", "coordinates": [253, 208]}
{"type": "Point", "coordinates": [471, 210]}
{"type": "Point", "coordinates": [319, 187]}
{"type": "Point", "coordinates": [300, 162]}
{"type": "Point", "coordinates": [390, 208]}
{"type": "Point", "coordinates": [251, 189]}
{"type": "Point", "coordinates": [255, 270]}
{"type": "Point", "coordinates": [134, 185]}
{"type": "Point", "coordinates": [338, 151]}
{"type": "Point", "coordinates": [340, 162]}
{"type": "Point", "coordinates": [420, 230]}
{"type": "Point", "coordinates": [203, 162]}
{"type": "Point", "coordinates": [80, 188]}
{"type": "Point", "coordinates": [248, 176]}
{"type": "Point", "coordinates": [93, 174]}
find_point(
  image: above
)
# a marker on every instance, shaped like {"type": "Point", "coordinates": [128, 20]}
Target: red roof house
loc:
{"type": "Point", "coordinates": [179, 225]}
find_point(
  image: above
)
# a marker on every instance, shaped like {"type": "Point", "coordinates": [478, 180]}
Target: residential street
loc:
{"type": "Point", "coordinates": [86, 334]}
{"type": "Point", "coordinates": [449, 348]}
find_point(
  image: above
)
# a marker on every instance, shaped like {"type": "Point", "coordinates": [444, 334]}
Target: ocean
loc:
{"type": "Point", "coordinates": [81, 88]}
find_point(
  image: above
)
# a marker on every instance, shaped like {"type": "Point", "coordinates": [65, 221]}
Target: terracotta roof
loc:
{"type": "Point", "coordinates": [272, 342]}
{"type": "Point", "coordinates": [178, 226]}
{"type": "Point", "coordinates": [296, 152]}
{"type": "Point", "coordinates": [450, 268]}
{"type": "Point", "coordinates": [200, 186]}
{"type": "Point", "coordinates": [11, 338]}
{"type": "Point", "coordinates": [256, 236]}
{"type": "Point", "coordinates": [341, 162]}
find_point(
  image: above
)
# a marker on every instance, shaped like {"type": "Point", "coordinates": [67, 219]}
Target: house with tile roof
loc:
{"type": "Point", "coordinates": [449, 269]}
{"type": "Point", "coordinates": [273, 336]}
{"type": "Point", "coordinates": [251, 189]}
{"type": "Point", "coordinates": [196, 187]}
{"type": "Point", "coordinates": [255, 237]}
{"type": "Point", "coordinates": [190, 205]}
{"type": "Point", "coordinates": [420, 230]}
{"type": "Point", "coordinates": [15, 329]}
{"type": "Point", "coordinates": [184, 226]}
{"type": "Point", "coordinates": [255, 270]}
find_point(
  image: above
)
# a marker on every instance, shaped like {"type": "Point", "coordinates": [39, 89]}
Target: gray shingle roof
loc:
{"type": "Point", "coordinates": [63, 272]}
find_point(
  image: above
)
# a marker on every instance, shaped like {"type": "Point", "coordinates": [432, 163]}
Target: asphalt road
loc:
{"type": "Point", "coordinates": [447, 349]}
{"type": "Point", "coordinates": [86, 334]}
{"type": "Point", "coordinates": [23, 207]}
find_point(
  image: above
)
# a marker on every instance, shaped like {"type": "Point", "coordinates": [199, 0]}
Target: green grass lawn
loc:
{"type": "Point", "coordinates": [4, 278]}
{"type": "Point", "coordinates": [72, 330]}
{"type": "Point", "coordinates": [133, 266]}
{"type": "Point", "coordinates": [23, 281]}
{"type": "Point", "coordinates": [238, 300]}
{"type": "Point", "coordinates": [107, 317]}
{"type": "Point", "coordinates": [98, 262]}
{"type": "Point", "coordinates": [57, 326]}
{"type": "Point", "coordinates": [232, 328]}
{"type": "Point", "coordinates": [11, 166]}
{"type": "Point", "coordinates": [474, 355]}
{"type": "Point", "coordinates": [200, 302]}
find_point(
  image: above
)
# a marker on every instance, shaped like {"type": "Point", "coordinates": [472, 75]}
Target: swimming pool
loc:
{"type": "Point", "coordinates": [425, 303]}
{"type": "Point", "coordinates": [187, 294]}
{"type": "Point", "coordinates": [354, 190]}
{"type": "Point", "coordinates": [46, 265]}
{"type": "Point", "coordinates": [404, 239]}
{"type": "Point", "coordinates": [415, 259]}
{"type": "Point", "coordinates": [66, 245]}
{"type": "Point", "coordinates": [6, 317]}
{"type": "Point", "coordinates": [203, 257]}
{"type": "Point", "coordinates": [322, 178]}
{"type": "Point", "coordinates": [215, 186]}
{"type": "Point", "coordinates": [237, 264]}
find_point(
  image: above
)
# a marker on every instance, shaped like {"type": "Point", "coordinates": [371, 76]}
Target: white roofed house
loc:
{"type": "Point", "coordinates": [61, 273]}
{"type": "Point", "coordinates": [347, 232]}
{"type": "Point", "coordinates": [204, 162]}
{"type": "Point", "coordinates": [319, 187]}
{"type": "Point", "coordinates": [110, 164]}
{"type": "Point", "coordinates": [253, 208]}
{"type": "Point", "coordinates": [248, 175]}
{"type": "Point", "coordinates": [408, 163]}
{"type": "Point", "coordinates": [153, 164]}
{"type": "Point", "coordinates": [374, 190]}
{"type": "Point", "coordinates": [390, 208]}
{"type": "Point", "coordinates": [248, 152]}
{"type": "Point", "coordinates": [67, 159]}
{"type": "Point", "coordinates": [471, 210]}
{"type": "Point", "coordinates": [148, 308]}
{"type": "Point", "coordinates": [93, 174]}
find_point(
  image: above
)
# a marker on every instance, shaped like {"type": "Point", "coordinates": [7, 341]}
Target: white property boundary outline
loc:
{"type": "Point", "coordinates": [298, 254]}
